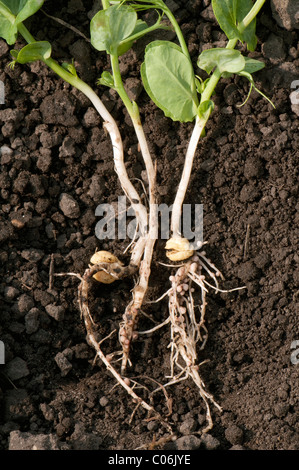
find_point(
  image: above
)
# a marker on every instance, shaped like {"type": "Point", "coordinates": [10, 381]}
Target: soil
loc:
{"type": "Point", "coordinates": [56, 167]}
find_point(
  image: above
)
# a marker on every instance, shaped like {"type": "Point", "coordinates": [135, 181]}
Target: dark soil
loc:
{"type": "Point", "coordinates": [56, 156]}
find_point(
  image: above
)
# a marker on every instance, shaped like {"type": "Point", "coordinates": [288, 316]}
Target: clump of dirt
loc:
{"type": "Point", "coordinates": [56, 167]}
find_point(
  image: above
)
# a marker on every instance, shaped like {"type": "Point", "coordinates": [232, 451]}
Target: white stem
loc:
{"type": "Point", "coordinates": [153, 218]}
{"type": "Point", "coordinates": [151, 174]}
{"type": "Point", "coordinates": [138, 251]}
{"type": "Point", "coordinates": [181, 192]}
{"type": "Point", "coordinates": [118, 156]}
{"type": "Point", "coordinates": [149, 239]}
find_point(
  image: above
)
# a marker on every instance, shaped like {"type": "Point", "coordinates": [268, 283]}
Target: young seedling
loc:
{"type": "Point", "coordinates": [169, 79]}
{"type": "Point", "coordinates": [114, 29]}
{"type": "Point", "coordinates": [171, 83]}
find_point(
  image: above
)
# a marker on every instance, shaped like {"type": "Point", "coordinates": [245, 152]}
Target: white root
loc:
{"type": "Point", "coordinates": [93, 341]}
{"type": "Point", "coordinates": [124, 382]}
{"type": "Point", "coordinates": [130, 318]}
{"type": "Point", "coordinates": [142, 251]}
{"type": "Point", "coordinates": [186, 331]}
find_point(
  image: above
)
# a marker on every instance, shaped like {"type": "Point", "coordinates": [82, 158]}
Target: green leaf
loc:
{"type": "Point", "coordinates": [14, 53]}
{"type": "Point", "coordinates": [13, 12]}
{"type": "Point", "coordinates": [106, 79]}
{"type": "Point", "coordinates": [141, 26]}
{"type": "Point", "coordinates": [205, 108]}
{"type": "Point", "coordinates": [229, 14]}
{"type": "Point", "coordinates": [39, 50]}
{"type": "Point", "coordinates": [228, 60]}
{"type": "Point", "coordinates": [253, 65]}
{"type": "Point", "coordinates": [26, 8]}
{"type": "Point", "coordinates": [167, 76]}
{"type": "Point", "coordinates": [111, 26]}
{"type": "Point", "coordinates": [8, 29]}
{"type": "Point", "coordinates": [70, 67]}
{"type": "Point", "coordinates": [200, 84]}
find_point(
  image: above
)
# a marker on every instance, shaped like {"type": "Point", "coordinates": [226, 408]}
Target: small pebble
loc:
{"type": "Point", "coordinates": [153, 426]}
{"type": "Point", "coordinates": [10, 292]}
{"type": "Point", "coordinates": [187, 443]}
{"type": "Point", "coordinates": [104, 401]}
{"type": "Point", "coordinates": [69, 206]}
{"type": "Point", "coordinates": [24, 304]}
{"type": "Point", "coordinates": [32, 321]}
{"type": "Point", "coordinates": [234, 434]}
{"type": "Point", "coordinates": [63, 363]}
{"type": "Point", "coordinates": [188, 426]}
{"type": "Point", "coordinates": [32, 255]}
{"type": "Point", "coordinates": [210, 442]}
{"type": "Point", "coordinates": [16, 369]}
{"type": "Point", "coordinates": [55, 311]}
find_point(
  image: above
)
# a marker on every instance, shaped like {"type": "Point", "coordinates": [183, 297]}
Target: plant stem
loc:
{"type": "Point", "coordinates": [251, 15]}
{"type": "Point", "coordinates": [112, 128]}
{"type": "Point", "coordinates": [148, 236]}
{"type": "Point", "coordinates": [150, 29]}
{"type": "Point", "coordinates": [182, 42]}
{"type": "Point", "coordinates": [178, 31]}
{"type": "Point", "coordinates": [185, 178]}
{"type": "Point", "coordinates": [199, 126]}
{"type": "Point", "coordinates": [133, 111]}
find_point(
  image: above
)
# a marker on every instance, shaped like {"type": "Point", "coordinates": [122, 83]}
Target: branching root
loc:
{"type": "Point", "coordinates": [92, 336]}
{"type": "Point", "coordinates": [186, 320]}
{"type": "Point", "coordinates": [187, 327]}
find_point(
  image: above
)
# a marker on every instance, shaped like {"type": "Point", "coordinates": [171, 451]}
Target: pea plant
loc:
{"type": "Point", "coordinates": [169, 79]}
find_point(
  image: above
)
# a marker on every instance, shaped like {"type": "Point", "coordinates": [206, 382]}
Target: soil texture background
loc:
{"type": "Point", "coordinates": [57, 167]}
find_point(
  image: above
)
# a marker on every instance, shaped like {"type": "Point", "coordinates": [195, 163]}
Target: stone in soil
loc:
{"type": "Point", "coordinates": [69, 206]}
{"type": "Point", "coordinates": [286, 13]}
{"type": "Point", "coordinates": [30, 441]}
{"type": "Point", "coordinates": [16, 369]}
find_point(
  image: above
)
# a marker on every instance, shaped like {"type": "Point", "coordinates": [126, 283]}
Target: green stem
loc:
{"type": "Point", "coordinates": [206, 95]}
{"type": "Point", "coordinates": [133, 111]}
{"type": "Point", "coordinates": [199, 126]}
{"type": "Point", "coordinates": [208, 91]}
{"type": "Point", "coordinates": [182, 42]}
{"type": "Point", "coordinates": [105, 4]}
{"type": "Point", "coordinates": [150, 29]}
{"type": "Point", "coordinates": [75, 80]}
{"type": "Point", "coordinates": [52, 64]}
{"type": "Point", "coordinates": [118, 83]}
{"type": "Point", "coordinates": [251, 15]}
{"type": "Point", "coordinates": [178, 31]}
{"type": "Point", "coordinates": [109, 123]}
